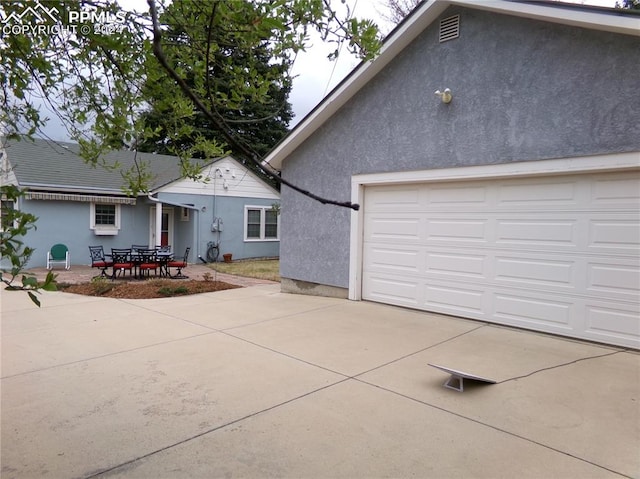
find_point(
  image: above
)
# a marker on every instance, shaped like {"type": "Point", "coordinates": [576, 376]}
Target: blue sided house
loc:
{"type": "Point", "coordinates": [80, 205]}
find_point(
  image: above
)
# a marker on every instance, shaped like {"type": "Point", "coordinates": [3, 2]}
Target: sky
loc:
{"type": "Point", "coordinates": [315, 75]}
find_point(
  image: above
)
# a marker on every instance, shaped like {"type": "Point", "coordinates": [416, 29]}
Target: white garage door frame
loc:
{"type": "Point", "coordinates": [592, 164]}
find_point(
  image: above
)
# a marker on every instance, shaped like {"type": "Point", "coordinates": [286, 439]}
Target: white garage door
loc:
{"type": "Point", "coordinates": [558, 254]}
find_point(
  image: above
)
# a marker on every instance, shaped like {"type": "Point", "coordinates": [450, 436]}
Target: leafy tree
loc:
{"type": "Point", "coordinates": [15, 224]}
{"type": "Point", "coordinates": [629, 4]}
{"type": "Point", "coordinates": [97, 70]}
{"type": "Point", "coordinates": [260, 121]}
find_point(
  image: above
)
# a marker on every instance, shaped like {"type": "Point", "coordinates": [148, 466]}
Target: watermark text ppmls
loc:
{"type": "Point", "coordinates": [36, 19]}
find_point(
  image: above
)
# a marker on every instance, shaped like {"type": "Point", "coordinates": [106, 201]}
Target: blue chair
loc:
{"type": "Point", "coordinates": [58, 254]}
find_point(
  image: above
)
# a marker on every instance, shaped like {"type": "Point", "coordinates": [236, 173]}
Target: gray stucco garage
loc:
{"type": "Point", "coordinates": [516, 202]}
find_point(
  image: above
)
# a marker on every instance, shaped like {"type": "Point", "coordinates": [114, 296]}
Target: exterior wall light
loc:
{"type": "Point", "coordinates": [445, 95]}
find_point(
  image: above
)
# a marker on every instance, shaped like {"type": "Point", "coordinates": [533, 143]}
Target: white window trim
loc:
{"type": "Point", "coordinates": [263, 216]}
{"type": "Point", "coordinates": [104, 230]}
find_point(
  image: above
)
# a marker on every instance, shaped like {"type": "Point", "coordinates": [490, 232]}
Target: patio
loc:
{"type": "Point", "coordinates": [84, 274]}
{"type": "Point", "coordinates": [252, 382]}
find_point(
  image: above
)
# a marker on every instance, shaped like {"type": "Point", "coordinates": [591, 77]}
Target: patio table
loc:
{"type": "Point", "coordinates": [135, 258]}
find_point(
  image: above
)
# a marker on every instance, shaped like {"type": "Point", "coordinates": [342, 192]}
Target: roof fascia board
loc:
{"type": "Point", "coordinates": [407, 31]}
{"type": "Point", "coordinates": [594, 20]}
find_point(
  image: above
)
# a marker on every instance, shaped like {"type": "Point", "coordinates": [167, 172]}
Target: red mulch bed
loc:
{"type": "Point", "coordinates": [144, 289]}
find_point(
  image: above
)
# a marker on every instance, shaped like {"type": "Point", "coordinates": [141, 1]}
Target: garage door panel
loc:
{"type": "Point", "coordinates": [390, 197]}
{"type": "Point", "coordinates": [392, 260]}
{"type": "Point", "coordinates": [612, 322]}
{"type": "Point", "coordinates": [455, 300]}
{"type": "Point", "coordinates": [471, 266]}
{"type": "Point", "coordinates": [559, 254]}
{"type": "Point", "coordinates": [537, 232]}
{"type": "Point", "coordinates": [544, 312]}
{"type": "Point", "coordinates": [455, 197]}
{"type": "Point", "coordinates": [394, 290]}
{"type": "Point", "coordinates": [463, 229]}
{"type": "Point", "coordinates": [534, 270]}
{"type": "Point", "coordinates": [614, 277]}
{"type": "Point", "coordinates": [393, 229]}
{"type": "Point", "coordinates": [525, 193]}
{"type": "Point", "coordinates": [615, 191]}
{"type": "Point", "coordinates": [611, 234]}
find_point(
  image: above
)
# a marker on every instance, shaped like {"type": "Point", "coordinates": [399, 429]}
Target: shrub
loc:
{"type": "Point", "coordinates": [169, 291]}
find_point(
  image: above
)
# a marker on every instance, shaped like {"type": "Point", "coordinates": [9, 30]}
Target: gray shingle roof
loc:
{"type": "Point", "coordinates": [43, 164]}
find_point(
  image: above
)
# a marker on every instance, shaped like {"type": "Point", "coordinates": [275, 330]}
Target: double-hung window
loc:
{"type": "Point", "coordinates": [105, 218]}
{"type": "Point", "coordinates": [6, 210]}
{"type": "Point", "coordinates": [261, 223]}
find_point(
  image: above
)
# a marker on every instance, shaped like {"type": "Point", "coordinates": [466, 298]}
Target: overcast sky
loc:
{"type": "Point", "coordinates": [315, 74]}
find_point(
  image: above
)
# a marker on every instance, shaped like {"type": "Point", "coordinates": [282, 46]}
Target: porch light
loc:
{"type": "Point", "coordinates": [445, 95]}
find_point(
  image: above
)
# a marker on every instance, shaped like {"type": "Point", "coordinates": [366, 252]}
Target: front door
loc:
{"type": "Point", "coordinates": [166, 231]}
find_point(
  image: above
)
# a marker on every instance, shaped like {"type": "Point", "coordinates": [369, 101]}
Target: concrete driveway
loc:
{"type": "Point", "coordinates": [255, 383]}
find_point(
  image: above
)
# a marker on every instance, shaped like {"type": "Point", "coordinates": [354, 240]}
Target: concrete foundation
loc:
{"type": "Point", "coordinates": [296, 286]}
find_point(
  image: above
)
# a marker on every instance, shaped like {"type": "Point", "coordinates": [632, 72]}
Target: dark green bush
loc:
{"type": "Point", "coordinates": [168, 291]}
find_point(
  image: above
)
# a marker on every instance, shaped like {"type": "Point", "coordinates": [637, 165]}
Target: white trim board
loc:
{"type": "Point", "coordinates": [560, 166]}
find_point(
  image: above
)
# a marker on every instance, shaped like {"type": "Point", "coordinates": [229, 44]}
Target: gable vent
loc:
{"type": "Point", "coordinates": [449, 28]}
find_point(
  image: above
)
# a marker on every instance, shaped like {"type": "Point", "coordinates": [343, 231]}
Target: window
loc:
{"type": "Point", "coordinates": [105, 219]}
{"type": "Point", "coordinates": [270, 224]}
{"type": "Point", "coordinates": [106, 215]}
{"type": "Point", "coordinates": [261, 223]}
{"type": "Point", "coordinates": [6, 207]}
{"type": "Point", "coordinates": [254, 221]}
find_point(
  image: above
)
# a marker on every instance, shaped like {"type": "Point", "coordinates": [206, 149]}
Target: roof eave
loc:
{"type": "Point", "coordinates": [408, 30]}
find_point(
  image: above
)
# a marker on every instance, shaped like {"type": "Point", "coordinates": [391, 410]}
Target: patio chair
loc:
{"type": "Point", "coordinates": [147, 262]}
{"type": "Point", "coordinates": [121, 261]}
{"type": "Point", "coordinates": [100, 260]}
{"type": "Point", "coordinates": [137, 247]}
{"type": "Point", "coordinates": [179, 264]}
{"type": "Point", "coordinates": [58, 254]}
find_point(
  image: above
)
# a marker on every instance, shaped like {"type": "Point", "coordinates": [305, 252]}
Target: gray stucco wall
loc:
{"type": "Point", "coordinates": [522, 90]}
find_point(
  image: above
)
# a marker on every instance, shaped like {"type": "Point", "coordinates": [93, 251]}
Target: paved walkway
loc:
{"type": "Point", "coordinates": [255, 383]}
{"type": "Point", "coordinates": [83, 274]}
